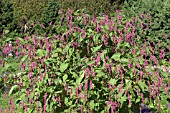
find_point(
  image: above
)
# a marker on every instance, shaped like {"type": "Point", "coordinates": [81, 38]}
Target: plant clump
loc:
{"type": "Point", "coordinates": [90, 64]}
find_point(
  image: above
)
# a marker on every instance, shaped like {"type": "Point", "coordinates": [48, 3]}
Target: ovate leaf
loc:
{"type": "Point", "coordinates": [66, 100]}
{"type": "Point", "coordinates": [92, 104]}
{"type": "Point", "coordinates": [40, 53]}
{"type": "Point", "coordinates": [80, 78]}
{"type": "Point", "coordinates": [63, 67]}
{"type": "Point", "coordinates": [6, 31]}
{"type": "Point", "coordinates": [65, 77]}
{"type": "Point", "coordinates": [116, 56]}
{"type": "Point", "coordinates": [141, 85]}
{"type": "Point", "coordinates": [123, 99]}
{"type": "Point", "coordinates": [90, 62]}
{"type": "Point", "coordinates": [124, 60]}
{"type": "Point", "coordinates": [113, 81]}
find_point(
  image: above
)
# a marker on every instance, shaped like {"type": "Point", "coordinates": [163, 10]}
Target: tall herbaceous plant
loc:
{"type": "Point", "coordinates": [90, 65]}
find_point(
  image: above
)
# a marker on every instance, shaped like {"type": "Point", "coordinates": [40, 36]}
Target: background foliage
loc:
{"type": "Point", "coordinates": [31, 9]}
{"type": "Point", "coordinates": [7, 18]}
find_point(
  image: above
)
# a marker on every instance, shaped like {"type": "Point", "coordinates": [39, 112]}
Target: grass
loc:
{"type": "Point", "coordinates": [5, 106]}
{"type": "Point", "coordinates": [3, 103]}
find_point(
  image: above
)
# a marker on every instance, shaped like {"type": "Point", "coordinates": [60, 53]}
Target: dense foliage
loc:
{"type": "Point", "coordinates": [31, 9]}
{"type": "Point", "coordinates": [6, 15]}
{"type": "Point", "coordinates": [89, 64]}
{"type": "Point", "coordinates": [50, 15]}
{"type": "Point", "coordinates": [96, 7]}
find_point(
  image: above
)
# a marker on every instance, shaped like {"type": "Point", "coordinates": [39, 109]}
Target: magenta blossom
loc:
{"type": "Point", "coordinates": [113, 106]}
{"type": "Point", "coordinates": [98, 59]}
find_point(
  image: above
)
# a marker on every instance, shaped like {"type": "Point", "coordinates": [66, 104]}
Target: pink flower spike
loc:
{"type": "Point", "coordinates": [133, 51]}
{"type": "Point", "coordinates": [3, 33]}
{"type": "Point", "coordinates": [16, 53]}
{"type": "Point", "coordinates": [91, 84]}
{"type": "Point", "coordinates": [86, 85]}
{"type": "Point", "coordinates": [56, 37]}
{"type": "Point", "coordinates": [27, 38]}
{"type": "Point", "coordinates": [4, 97]}
{"type": "Point", "coordinates": [33, 25]}
{"type": "Point", "coordinates": [51, 23]}
{"type": "Point", "coordinates": [120, 88]}
{"type": "Point", "coordinates": [98, 59]}
{"type": "Point", "coordinates": [80, 87]}
{"type": "Point", "coordinates": [60, 11]}
{"type": "Point", "coordinates": [42, 26]}
{"type": "Point", "coordinates": [77, 93]}
{"type": "Point", "coordinates": [134, 71]}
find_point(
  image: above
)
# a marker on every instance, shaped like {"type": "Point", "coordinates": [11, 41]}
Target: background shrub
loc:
{"type": "Point", "coordinates": [50, 14]}
{"type": "Point", "coordinates": [6, 15]}
{"type": "Point", "coordinates": [93, 7]}
{"type": "Point", "coordinates": [31, 9]}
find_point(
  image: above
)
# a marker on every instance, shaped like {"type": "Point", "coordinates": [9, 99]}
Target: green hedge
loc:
{"type": "Point", "coordinates": [31, 9]}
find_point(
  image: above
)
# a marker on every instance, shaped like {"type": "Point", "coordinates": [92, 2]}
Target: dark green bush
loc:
{"type": "Point", "coordinates": [50, 14]}
{"type": "Point", "coordinates": [6, 15]}
{"type": "Point", "coordinates": [93, 7]}
{"type": "Point", "coordinates": [31, 9]}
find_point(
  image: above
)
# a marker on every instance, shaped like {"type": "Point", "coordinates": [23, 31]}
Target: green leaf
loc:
{"type": "Point", "coordinates": [40, 53]}
{"type": "Point", "coordinates": [71, 50]}
{"type": "Point", "coordinates": [94, 49]}
{"type": "Point", "coordinates": [113, 81]}
{"type": "Point", "coordinates": [90, 30]}
{"type": "Point", "coordinates": [91, 104]}
{"type": "Point", "coordinates": [24, 58]}
{"type": "Point", "coordinates": [12, 89]}
{"type": "Point", "coordinates": [14, 66]}
{"type": "Point", "coordinates": [65, 77]}
{"type": "Point", "coordinates": [21, 39]}
{"type": "Point", "coordinates": [141, 84]}
{"type": "Point", "coordinates": [123, 99]}
{"type": "Point", "coordinates": [6, 31]}
{"type": "Point", "coordinates": [66, 100]}
{"type": "Point", "coordinates": [8, 39]}
{"type": "Point", "coordinates": [80, 78]}
{"type": "Point", "coordinates": [58, 92]}
{"type": "Point", "coordinates": [7, 66]}
{"type": "Point", "coordinates": [63, 67]}
{"type": "Point", "coordinates": [127, 44]}
{"type": "Point", "coordinates": [138, 99]}
{"type": "Point", "coordinates": [90, 62]}
{"type": "Point", "coordinates": [57, 50]}
{"type": "Point", "coordinates": [31, 95]}
{"type": "Point", "coordinates": [116, 56]}
{"type": "Point", "coordinates": [124, 60]}
{"type": "Point", "coordinates": [51, 105]}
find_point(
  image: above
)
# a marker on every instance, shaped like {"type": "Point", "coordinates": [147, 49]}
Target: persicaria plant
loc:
{"type": "Point", "coordinates": [91, 65]}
